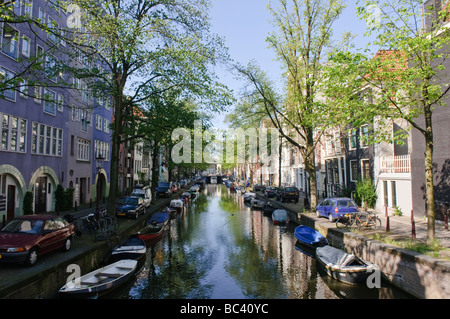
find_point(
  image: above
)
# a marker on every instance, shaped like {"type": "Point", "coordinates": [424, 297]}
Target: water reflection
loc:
{"type": "Point", "coordinates": [221, 249]}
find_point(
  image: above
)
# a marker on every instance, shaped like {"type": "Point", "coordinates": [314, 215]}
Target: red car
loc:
{"type": "Point", "coordinates": [22, 239]}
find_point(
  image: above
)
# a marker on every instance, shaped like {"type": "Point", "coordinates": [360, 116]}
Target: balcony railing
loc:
{"type": "Point", "coordinates": [395, 164]}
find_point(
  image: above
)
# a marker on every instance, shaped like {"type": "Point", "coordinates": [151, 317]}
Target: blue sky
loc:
{"type": "Point", "coordinates": [245, 25]}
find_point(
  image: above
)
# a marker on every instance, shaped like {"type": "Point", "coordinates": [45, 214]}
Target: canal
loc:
{"type": "Point", "coordinates": [221, 249]}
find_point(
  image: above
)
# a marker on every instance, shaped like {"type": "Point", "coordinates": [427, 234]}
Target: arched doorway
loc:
{"type": "Point", "coordinates": [43, 185]}
{"type": "Point", "coordinates": [12, 192]}
{"type": "Point", "coordinates": [101, 187]}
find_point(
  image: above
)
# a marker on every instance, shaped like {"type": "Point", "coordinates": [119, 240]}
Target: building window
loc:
{"type": "Point", "coordinates": [37, 94]}
{"type": "Point", "coordinates": [10, 41]}
{"type": "Point", "coordinates": [27, 7]}
{"type": "Point", "coordinates": [23, 89]}
{"type": "Point", "coordinates": [26, 42]}
{"type": "Point", "coordinates": [46, 140]}
{"type": "Point", "coordinates": [8, 93]}
{"type": "Point", "coordinates": [106, 127]}
{"type": "Point", "coordinates": [352, 139]}
{"type": "Point", "coordinates": [52, 29]}
{"type": "Point", "coordinates": [101, 150]}
{"type": "Point", "coordinates": [50, 67]}
{"type": "Point", "coordinates": [14, 133]}
{"type": "Point", "coordinates": [353, 171]}
{"type": "Point", "coordinates": [60, 102]}
{"type": "Point", "coordinates": [364, 135]}
{"type": "Point", "coordinates": [98, 122]}
{"type": "Point", "coordinates": [365, 169]}
{"type": "Point", "coordinates": [49, 102]}
{"type": "Point", "coordinates": [83, 149]}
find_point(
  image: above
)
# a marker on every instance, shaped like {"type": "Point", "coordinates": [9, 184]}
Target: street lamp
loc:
{"type": "Point", "coordinates": [99, 163]}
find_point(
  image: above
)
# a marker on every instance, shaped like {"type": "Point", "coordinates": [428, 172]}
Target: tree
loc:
{"type": "Point", "coordinates": [147, 48]}
{"type": "Point", "coordinates": [304, 34]}
{"type": "Point", "coordinates": [406, 79]}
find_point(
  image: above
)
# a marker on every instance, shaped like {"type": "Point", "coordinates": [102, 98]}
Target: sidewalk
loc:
{"type": "Point", "coordinates": [400, 227]}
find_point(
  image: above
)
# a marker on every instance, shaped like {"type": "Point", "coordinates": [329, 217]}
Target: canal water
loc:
{"type": "Point", "coordinates": [221, 249]}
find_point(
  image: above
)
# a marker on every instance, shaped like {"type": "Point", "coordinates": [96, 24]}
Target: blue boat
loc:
{"type": "Point", "coordinates": [310, 237]}
{"type": "Point", "coordinates": [155, 226]}
{"type": "Point", "coordinates": [280, 217]}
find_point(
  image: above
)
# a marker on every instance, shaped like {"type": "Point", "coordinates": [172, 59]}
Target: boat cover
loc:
{"type": "Point", "coordinates": [176, 203]}
{"type": "Point", "coordinates": [159, 217]}
{"type": "Point", "coordinates": [280, 215]}
{"type": "Point", "coordinates": [338, 257]}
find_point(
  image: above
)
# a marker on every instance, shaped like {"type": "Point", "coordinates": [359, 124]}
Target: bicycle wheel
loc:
{"type": "Point", "coordinates": [376, 222]}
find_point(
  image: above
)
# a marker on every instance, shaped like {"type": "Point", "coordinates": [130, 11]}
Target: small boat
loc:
{"type": "Point", "coordinates": [178, 204]}
{"type": "Point", "coordinates": [268, 208]}
{"type": "Point", "coordinates": [100, 281]}
{"type": "Point", "coordinates": [257, 203]}
{"type": "Point", "coordinates": [155, 226]}
{"type": "Point", "coordinates": [249, 196]}
{"type": "Point", "coordinates": [343, 266]}
{"type": "Point", "coordinates": [310, 237]}
{"type": "Point", "coordinates": [280, 216]}
{"type": "Point", "coordinates": [132, 248]}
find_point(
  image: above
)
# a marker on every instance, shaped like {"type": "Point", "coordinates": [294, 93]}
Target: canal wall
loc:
{"type": "Point", "coordinates": [88, 256]}
{"type": "Point", "coordinates": [420, 275]}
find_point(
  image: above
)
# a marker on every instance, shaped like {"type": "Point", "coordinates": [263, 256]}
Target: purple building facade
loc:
{"type": "Point", "coordinates": [49, 133]}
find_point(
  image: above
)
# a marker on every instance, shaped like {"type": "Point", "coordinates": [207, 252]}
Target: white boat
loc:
{"type": "Point", "coordinates": [132, 248]}
{"type": "Point", "coordinates": [177, 204]}
{"type": "Point", "coordinates": [100, 281]}
{"type": "Point", "coordinates": [249, 196]}
{"type": "Point", "coordinates": [343, 266]}
{"type": "Point", "coordinates": [257, 203]}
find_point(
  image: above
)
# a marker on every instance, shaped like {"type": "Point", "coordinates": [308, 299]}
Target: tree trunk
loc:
{"type": "Point", "coordinates": [115, 148]}
{"type": "Point", "coordinates": [429, 183]}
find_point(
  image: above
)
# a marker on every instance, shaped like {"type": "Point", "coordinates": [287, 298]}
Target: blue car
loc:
{"type": "Point", "coordinates": [333, 208]}
{"type": "Point", "coordinates": [130, 206]}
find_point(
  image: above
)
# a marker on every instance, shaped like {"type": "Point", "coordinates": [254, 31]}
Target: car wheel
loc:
{"type": "Point", "coordinates": [330, 218]}
{"type": "Point", "coordinates": [32, 257]}
{"type": "Point", "coordinates": [67, 244]}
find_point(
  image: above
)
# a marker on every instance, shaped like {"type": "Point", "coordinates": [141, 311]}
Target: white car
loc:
{"type": "Point", "coordinates": [145, 193]}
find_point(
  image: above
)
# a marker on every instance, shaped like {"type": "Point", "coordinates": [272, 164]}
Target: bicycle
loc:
{"type": "Point", "coordinates": [359, 220]}
{"type": "Point", "coordinates": [106, 226]}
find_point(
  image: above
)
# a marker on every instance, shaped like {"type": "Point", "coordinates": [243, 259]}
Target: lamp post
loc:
{"type": "Point", "coordinates": [99, 164]}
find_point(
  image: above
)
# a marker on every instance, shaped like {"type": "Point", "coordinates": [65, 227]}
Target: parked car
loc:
{"type": "Point", "coordinates": [130, 206]}
{"type": "Point", "coordinates": [143, 191]}
{"type": "Point", "coordinates": [26, 237]}
{"type": "Point", "coordinates": [333, 208]}
{"type": "Point", "coordinates": [164, 189]}
{"type": "Point", "coordinates": [270, 191]}
{"type": "Point", "coordinates": [288, 193]}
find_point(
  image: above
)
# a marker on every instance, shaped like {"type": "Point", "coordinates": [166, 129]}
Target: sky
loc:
{"type": "Point", "coordinates": [245, 24]}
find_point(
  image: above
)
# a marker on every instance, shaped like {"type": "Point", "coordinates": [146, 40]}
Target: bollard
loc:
{"type": "Point", "coordinates": [413, 226]}
{"type": "Point", "coordinates": [388, 227]}
{"type": "Point", "coordinates": [446, 220]}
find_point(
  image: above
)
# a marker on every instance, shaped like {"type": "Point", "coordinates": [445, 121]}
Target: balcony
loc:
{"type": "Point", "coordinates": [395, 164]}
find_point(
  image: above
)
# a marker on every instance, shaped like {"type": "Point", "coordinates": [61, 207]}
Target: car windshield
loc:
{"type": "Point", "coordinates": [290, 189]}
{"type": "Point", "coordinates": [28, 226]}
{"type": "Point", "coordinates": [345, 203]}
{"type": "Point", "coordinates": [163, 184]}
{"type": "Point", "coordinates": [130, 201]}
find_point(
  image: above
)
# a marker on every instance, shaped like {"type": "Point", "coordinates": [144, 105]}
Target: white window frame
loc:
{"type": "Point", "coordinates": [27, 40]}
{"type": "Point", "coordinates": [15, 39]}
{"type": "Point", "coordinates": [83, 150]}
{"type": "Point", "coordinates": [353, 178]}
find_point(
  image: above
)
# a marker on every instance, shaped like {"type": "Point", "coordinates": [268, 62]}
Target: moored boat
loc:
{"type": "Point", "coordinates": [257, 203]}
{"type": "Point", "coordinates": [280, 217]}
{"type": "Point", "coordinates": [132, 248]}
{"type": "Point", "coordinates": [178, 204]}
{"type": "Point", "coordinates": [343, 266]}
{"type": "Point", "coordinates": [100, 281]}
{"type": "Point", "coordinates": [155, 226]}
{"type": "Point", "coordinates": [309, 236]}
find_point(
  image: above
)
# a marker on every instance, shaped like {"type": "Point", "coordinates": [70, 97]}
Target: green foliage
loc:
{"type": "Point", "coordinates": [64, 198]}
{"type": "Point", "coordinates": [365, 192]}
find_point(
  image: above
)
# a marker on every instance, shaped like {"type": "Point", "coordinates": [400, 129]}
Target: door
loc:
{"type": "Point", "coordinates": [11, 202]}
{"type": "Point", "coordinates": [41, 195]}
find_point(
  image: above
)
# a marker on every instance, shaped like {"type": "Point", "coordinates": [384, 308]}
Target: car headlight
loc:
{"type": "Point", "coordinates": [15, 249]}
